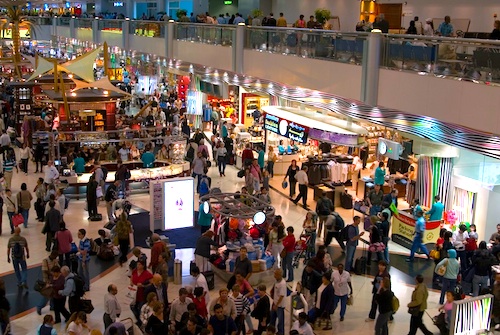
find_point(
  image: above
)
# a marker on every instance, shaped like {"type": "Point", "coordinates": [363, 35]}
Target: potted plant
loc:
{"type": "Point", "coordinates": [257, 13]}
{"type": "Point", "coordinates": [322, 16]}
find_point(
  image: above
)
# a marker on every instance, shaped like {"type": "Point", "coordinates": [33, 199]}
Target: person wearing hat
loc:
{"type": "Point", "coordinates": [450, 275]}
{"type": "Point", "coordinates": [428, 27]}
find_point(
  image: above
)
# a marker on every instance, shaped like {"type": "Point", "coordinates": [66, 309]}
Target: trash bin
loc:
{"type": "Point", "coordinates": [177, 272]}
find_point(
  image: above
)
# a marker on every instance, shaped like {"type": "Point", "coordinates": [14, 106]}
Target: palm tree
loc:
{"type": "Point", "coordinates": [15, 20]}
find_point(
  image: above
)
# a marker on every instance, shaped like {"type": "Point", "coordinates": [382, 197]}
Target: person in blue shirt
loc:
{"type": "Point", "coordinates": [416, 207]}
{"type": "Point", "coordinates": [380, 174]}
{"type": "Point", "coordinates": [79, 164]}
{"type": "Point", "coordinates": [238, 19]}
{"type": "Point", "coordinates": [260, 159]}
{"type": "Point", "coordinates": [417, 240]}
{"type": "Point", "coordinates": [436, 211]}
{"type": "Point", "coordinates": [281, 148]}
{"type": "Point", "coordinates": [148, 158]}
{"type": "Point", "coordinates": [224, 131]}
{"type": "Point", "coordinates": [221, 20]}
{"type": "Point", "coordinates": [446, 28]}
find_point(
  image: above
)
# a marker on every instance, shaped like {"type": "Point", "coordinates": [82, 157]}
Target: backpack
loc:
{"type": "Point", "coordinates": [344, 233]}
{"type": "Point", "coordinates": [104, 173]}
{"type": "Point", "coordinates": [339, 222]}
{"type": "Point", "coordinates": [78, 289]}
{"type": "Point", "coordinates": [395, 303]}
{"type": "Point", "coordinates": [18, 251]}
{"type": "Point", "coordinates": [204, 187]}
{"type": "Point", "coordinates": [190, 153]}
{"type": "Point", "coordinates": [323, 208]}
{"type": "Point", "coordinates": [66, 202]}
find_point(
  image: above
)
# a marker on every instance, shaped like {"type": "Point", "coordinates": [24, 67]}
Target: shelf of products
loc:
{"type": "Point", "coordinates": [100, 121]}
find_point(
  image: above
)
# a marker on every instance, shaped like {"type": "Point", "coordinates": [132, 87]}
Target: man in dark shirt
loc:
{"type": "Point", "coordinates": [110, 197]}
{"type": "Point", "coordinates": [191, 327]}
{"type": "Point", "coordinates": [242, 266]}
{"type": "Point", "coordinates": [220, 324]}
{"type": "Point", "coordinates": [52, 220]}
{"type": "Point", "coordinates": [495, 251]}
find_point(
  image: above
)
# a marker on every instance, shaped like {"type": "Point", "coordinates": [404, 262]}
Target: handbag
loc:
{"type": "Point", "coordinates": [131, 295]}
{"type": "Point", "coordinates": [376, 247]}
{"type": "Point", "coordinates": [17, 219]}
{"type": "Point", "coordinates": [39, 285]}
{"type": "Point", "coordinates": [350, 300]}
{"type": "Point", "coordinates": [414, 310]}
{"type": "Point", "coordinates": [435, 254]}
{"type": "Point", "coordinates": [441, 270]}
{"type": "Point", "coordinates": [86, 306]}
{"type": "Point", "coordinates": [284, 184]}
{"type": "Point", "coordinates": [283, 253]}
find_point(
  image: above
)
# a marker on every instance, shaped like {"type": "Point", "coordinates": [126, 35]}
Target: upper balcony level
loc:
{"type": "Point", "coordinates": [453, 80]}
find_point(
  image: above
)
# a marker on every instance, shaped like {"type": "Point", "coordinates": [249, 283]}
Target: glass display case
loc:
{"type": "Point", "coordinates": [178, 151]}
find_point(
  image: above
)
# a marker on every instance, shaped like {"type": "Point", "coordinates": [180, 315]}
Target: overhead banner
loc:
{"type": "Point", "coordinates": [336, 138]}
{"type": "Point", "coordinates": [285, 128]}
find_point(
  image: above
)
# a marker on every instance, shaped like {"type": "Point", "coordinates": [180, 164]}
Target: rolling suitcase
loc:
{"type": "Point", "coordinates": [360, 266]}
{"type": "Point", "coordinates": [210, 277]}
{"type": "Point", "coordinates": [346, 200]}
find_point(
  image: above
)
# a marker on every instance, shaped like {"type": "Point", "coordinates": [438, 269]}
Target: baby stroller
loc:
{"type": "Point", "coordinates": [440, 322]}
{"type": "Point", "coordinates": [301, 249]}
{"type": "Point", "coordinates": [131, 327]}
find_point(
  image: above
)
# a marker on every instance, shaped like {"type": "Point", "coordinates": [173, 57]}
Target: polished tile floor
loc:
{"type": "Point", "coordinates": [76, 217]}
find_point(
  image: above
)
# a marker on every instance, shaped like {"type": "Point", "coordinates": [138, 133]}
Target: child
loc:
{"type": "Point", "coordinates": [264, 195]}
{"type": "Point", "coordinates": [265, 179]}
{"type": "Point", "coordinates": [447, 307]}
{"type": "Point", "coordinates": [199, 301]}
{"type": "Point", "coordinates": [47, 327]}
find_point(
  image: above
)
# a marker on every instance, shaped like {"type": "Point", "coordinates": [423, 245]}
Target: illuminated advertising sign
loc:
{"type": "Point", "coordinates": [285, 128]}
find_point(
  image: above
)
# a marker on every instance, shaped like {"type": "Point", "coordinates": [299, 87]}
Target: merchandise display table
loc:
{"type": "Point", "coordinates": [76, 184]}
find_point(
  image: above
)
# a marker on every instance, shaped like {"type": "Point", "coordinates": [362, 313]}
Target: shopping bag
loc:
{"type": "Point", "coordinates": [441, 270]}
{"type": "Point", "coordinates": [86, 306]}
{"type": "Point", "coordinates": [350, 300]}
{"type": "Point", "coordinates": [131, 240]}
{"type": "Point", "coordinates": [17, 219]}
{"type": "Point", "coordinates": [131, 294]}
{"type": "Point", "coordinates": [98, 192]}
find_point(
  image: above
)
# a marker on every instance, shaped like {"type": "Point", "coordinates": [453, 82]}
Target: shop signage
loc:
{"type": "Point", "coordinates": [403, 227]}
{"type": "Point", "coordinates": [285, 128]}
{"type": "Point", "coordinates": [337, 138]}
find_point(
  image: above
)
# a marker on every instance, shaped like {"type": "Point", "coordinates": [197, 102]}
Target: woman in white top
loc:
{"type": "Point", "coordinates": [24, 153]}
{"type": "Point", "coordinates": [459, 241]}
{"type": "Point", "coordinates": [221, 158]}
{"type": "Point", "coordinates": [342, 289]}
{"type": "Point", "coordinates": [77, 323]}
{"type": "Point", "coordinates": [428, 28]}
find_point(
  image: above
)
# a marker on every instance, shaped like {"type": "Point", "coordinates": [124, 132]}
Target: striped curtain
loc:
{"type": "Point", "coordinates": [433, 178]}
{"type": "Point", "coordinates": [463, 204]}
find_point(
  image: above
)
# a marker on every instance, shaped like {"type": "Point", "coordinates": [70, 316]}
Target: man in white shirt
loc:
{"type": "Point", "coordinates": [302, 326]}
{"type": "Point", "coordinates": [459, 240]}
{"type": "Point", "coordinates": [179, 307]}
{"type": "Point", "coordinates": [51, 173]}
{"type": "Point", "coordinates": [278, 295]}
{"type": "Point", "coordinates": [201, 281]}
{"type": "Point", "coordinates": [303, 181]}
{"type": "Point", "coordinates": [112, 309]}
{"type": "Point", "coordinates": [342, 288]}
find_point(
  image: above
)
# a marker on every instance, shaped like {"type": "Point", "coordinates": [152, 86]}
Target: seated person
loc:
{"type": "Point", "coordinates": [104, 237]}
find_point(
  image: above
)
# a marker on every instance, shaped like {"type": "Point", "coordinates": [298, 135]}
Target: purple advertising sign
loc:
{"type": "Point", "coordinates": [343, 139]}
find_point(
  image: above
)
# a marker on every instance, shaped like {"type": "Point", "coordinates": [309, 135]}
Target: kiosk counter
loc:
{"type": "Point", "coordinates": [403, 227]}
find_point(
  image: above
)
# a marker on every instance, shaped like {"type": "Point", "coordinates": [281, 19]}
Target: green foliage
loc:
{"type": "Point", "coordinates": [257, 13]}
{"type": "Point", "coordinates": [322, 15]}
{"type": "Point", "coordinates": [181, 12]}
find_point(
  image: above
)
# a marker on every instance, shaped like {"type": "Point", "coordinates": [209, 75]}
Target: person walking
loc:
{"type": "Point", "coordinates": [276, 236]}
{"type": "Point", "coordinates": [377, 282]}
{"type": "Point", "coordinates": [417, 307]}
{"type": "Point", "coordinates": [92, 197]}
{"type": "Point", "coordinates": [324, 302]}
{"type": "Point", "coordinates": [384, 301]}
{"type": "Point", "coordinates": [52, 225]}
{"type": "Point", "coordinates": [278, 293]}
{"type": "Point", "coordinates": [353, 235]}
{"type": "Point", "coordinates": [324, 207]}
{"type": "Point", "coordinates": [342, 288]}
{"type": "Point", "coordinates": [419, 234]}
{"type": "Point", "coordinates": [18, 251]}
{"type": "Point", "coordinates": [47, 265]}
{"type": "Point", "coordinates": [289, 246]}
{"type": "Point", "coordinates": [450, 275]}
{"type": "Point", "coordinates": [59, 300]}
{"type": "Point", "coordinates": [271, 159]}
{"type": "Point", "coordinates": [84, 258]}
{"type": "Point", "coordinates": [39, 204]}
{"type": "Point", "coordinates": [64, 239]}
{"type": "Point", "coordinates": [123, 231]}
{"type": "Point", "coordinates": [112, 308]}
{"type": "Point", "coordinates": [24, 154]}
{"type": "Point", "coordinates": [24, 198]}
{"type": "Point", "coordinates": [10, 207]}
{"type": "Point", "coordinates": [303, 182]}
{"type": "Point", "coordinates": [9, 164]}
{"type": "Point", "coordinates": [69, 290]}
{"type": "Point", "coordinates": [482, 261]}
{"type": "Point", "coordinates": [291, 173]}
{"type": "Point", "coordinates": [221, 153]}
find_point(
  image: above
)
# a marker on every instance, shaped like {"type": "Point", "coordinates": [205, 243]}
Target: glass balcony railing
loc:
{"type": "Point", "coordinates": [461, 58]}
{"type": "Point", "coordinates": [111, 25]}
{"type": "Point", "coordinates": [204, 33]}
{"type": "Point", "coordinates": [308, 43]}
{"type": "Point", "coordinates": [63, 21]}
{"type": "Point", "coordinates": [84, 23]}
{"type": "Point", "coordinates": [147, 28]}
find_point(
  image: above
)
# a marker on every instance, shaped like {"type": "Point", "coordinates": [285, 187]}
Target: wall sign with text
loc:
{"type": "Point", "coordinates": [285, 128]}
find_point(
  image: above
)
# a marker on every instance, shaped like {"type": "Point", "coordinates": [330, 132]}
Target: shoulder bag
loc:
{"type": "Point", "coordinates": [441, 270]}
{"type": "Point", "coordinates": [414, 310]}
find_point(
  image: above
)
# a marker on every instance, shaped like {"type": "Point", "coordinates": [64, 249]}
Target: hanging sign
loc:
{"type": "Point", "coordinates": [285, 128]}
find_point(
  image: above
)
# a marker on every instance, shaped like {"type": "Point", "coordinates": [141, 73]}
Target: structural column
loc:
{"type": "Point", "coordinates": [371, 68]}
{"type": "Point", "coordinates": [95, 31]}
{"type": "Point", "coordinates": [238, 48]}
{"type": "Point", "coordinates": [53, 31]}
{"type": "Point", "coordinates": [169, 39]}
{"type": "Point", "coordinates": [125, 34]}
{"type": "Point", "coordinates": [72, 27]}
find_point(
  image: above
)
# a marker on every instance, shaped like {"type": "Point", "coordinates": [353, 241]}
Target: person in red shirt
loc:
{"type": "Point", "coordinates": [158, 248]}
{"type": "Point", "coordinates": [247, 155]}
{"type": "Point", "coordinates": [199, 301]}
{"type": "Point", "coordinates": [140, 277]}
{"type": "Point", "coordinates": [289, 246]}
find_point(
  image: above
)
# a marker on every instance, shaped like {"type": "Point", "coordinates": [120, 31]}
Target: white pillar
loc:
{"type": "Point", "coordinates": [371, 68]}
{"type": "Point", "coordinates": [238, 48]}
{"type": "Point", "coordinates": [169, 39]}
{"type": "Point", "coordinates": [125, 34]}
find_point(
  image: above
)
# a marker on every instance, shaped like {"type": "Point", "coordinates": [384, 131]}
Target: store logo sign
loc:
{"type": "Point", "coordinates": [285, 128]}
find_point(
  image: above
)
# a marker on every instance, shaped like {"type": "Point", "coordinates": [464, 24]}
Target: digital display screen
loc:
{"type": "Point", "coordinates": [178, 195]}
